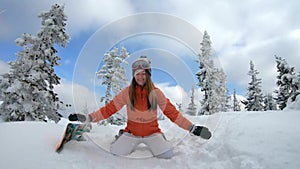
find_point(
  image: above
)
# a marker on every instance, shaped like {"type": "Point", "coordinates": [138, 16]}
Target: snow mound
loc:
{"type": "Point", "coordinates": [244, 140]}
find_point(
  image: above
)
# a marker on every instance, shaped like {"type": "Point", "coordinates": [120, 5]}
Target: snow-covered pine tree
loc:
{"type": "Point", "coordinates": [254, 92]}
{"type": "Point", "coordinates": [228, 105]}
{"type": "Point", "coordinates": [192, 108]}
{"type": "Point", "coordinates": [119, 79]}
{"type": "Point", "coordinates": [269, 103]}
{"type": "Point", "coordinates": [222, 91]}
{"type": "Point", "coordinates": [113, 76]}
{"type": "Point", "coordinates": [287, 81]}
{"type": "Point", "coordinates": [211, 80]}
{"type": "Point", "coordinates": [236, 105]}
{"type": "Point", "coordinates": [27, 90]}
{"type": "Point", "coordinates": [205, 73]}
{"type": "Point", "coordinates": [295, 87]}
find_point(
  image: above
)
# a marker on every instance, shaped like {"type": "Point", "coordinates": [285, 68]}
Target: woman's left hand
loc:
{"type": "Point", "coordinates": [79, 117]}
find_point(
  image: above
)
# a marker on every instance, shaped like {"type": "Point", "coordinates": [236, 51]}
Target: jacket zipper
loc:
{"type": "Point", "coordinates": [142, 96]}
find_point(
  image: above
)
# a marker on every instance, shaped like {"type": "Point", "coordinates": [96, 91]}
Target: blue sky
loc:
{"type": "Point", "coordinates": [170, 35]}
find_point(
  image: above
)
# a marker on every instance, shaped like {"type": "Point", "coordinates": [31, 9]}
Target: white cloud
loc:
{"type": "Point", "coordinates": [295, 34]}
{"type": "Point", "coordinates": [86, 15]}
{"type": "Point", "coordinates": [249, 30]}
{"type": "Point", "coordinates": [176, 94]}
{"type": "Point", "coordinates": [4, 67]}
{"type": "Point", "coordinates": [83, 15]}
{"type": "Point", "coordinates": [240, 31]}
{"type": "Point", "coordinates": [78, 96]}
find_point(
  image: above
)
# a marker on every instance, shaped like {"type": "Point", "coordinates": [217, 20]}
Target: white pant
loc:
{"type": "Point", "coordinates": [156, 142]}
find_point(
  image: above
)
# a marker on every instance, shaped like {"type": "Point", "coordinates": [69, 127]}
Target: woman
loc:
{"type": "Point", "coordinates": [142, 99]}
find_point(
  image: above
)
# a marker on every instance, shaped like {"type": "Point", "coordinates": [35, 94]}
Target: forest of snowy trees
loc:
{"type": "Point", "coordinates": [26, 91]}
{"type": "Point", "coordinates": [212, 82]}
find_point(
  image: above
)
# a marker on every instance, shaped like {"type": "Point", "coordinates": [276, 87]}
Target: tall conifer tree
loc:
{"type": "Point", "coordinates": [27, 90]}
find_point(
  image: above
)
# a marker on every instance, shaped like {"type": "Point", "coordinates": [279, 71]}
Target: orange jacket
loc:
{"type": "Point", "coordinates": [141, 121]}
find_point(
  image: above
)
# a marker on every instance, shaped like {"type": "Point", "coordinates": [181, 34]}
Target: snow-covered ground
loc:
{"type": "Point", "coordinates": [244, 140]}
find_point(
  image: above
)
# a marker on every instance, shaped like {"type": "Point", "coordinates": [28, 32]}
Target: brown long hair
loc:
{"type": "Point", "coordinates": [152, 100]}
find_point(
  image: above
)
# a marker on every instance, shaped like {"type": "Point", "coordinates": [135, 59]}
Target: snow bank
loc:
{"type": "Point", "coordinates": [245, 140]}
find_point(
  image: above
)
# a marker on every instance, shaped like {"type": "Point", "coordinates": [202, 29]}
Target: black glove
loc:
{"type": "Point", "coordinates": [201, 131]}
{"type": "Point", "coordinates": [77, 117]}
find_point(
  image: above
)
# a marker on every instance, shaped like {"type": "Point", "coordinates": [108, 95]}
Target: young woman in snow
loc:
{"type": "Point", "coordinates": [142, 99]}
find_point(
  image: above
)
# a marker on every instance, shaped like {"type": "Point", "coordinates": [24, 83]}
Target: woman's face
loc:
{"type": "Point", "coordinates": [140, 77]}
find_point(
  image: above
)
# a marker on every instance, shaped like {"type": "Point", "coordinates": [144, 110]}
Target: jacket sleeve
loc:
{"type": "Point", "coordinates": [111, 108]}
{"type": "Point", "coordinates": [171, 112]}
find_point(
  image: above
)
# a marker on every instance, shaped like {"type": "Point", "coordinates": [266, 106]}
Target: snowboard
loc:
{"type": "Point", "coordinates": [73, 132]}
